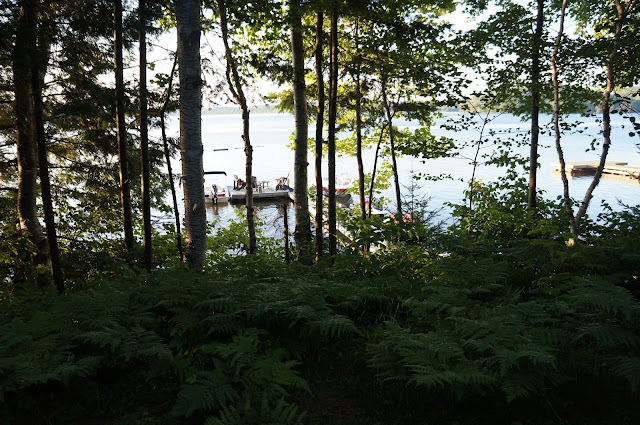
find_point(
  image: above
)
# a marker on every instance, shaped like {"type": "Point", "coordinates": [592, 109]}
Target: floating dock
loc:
{"type": "Point", "coordinates": [610, 167]}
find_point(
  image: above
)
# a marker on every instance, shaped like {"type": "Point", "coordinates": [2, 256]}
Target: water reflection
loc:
{"type": "Point", "coordinates": [270, 215]}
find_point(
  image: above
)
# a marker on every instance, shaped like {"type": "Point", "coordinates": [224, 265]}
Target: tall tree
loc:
{"type": "Point", "coordinates": [167, 157]}
{"type": "Point", "coordinates": [319, 137]}
{"type": "Point", "coordinates": [235, 85]}
{"type": "Point", "coordinates": [144, 138]}
{"type": "Point", "coordinates": [302, 232]}
{"type": "Point", "coordinates": [23, 55]}
{"type": "Point", "coordinates": [535, 104]}
{"type": "Point", "coordinates": [38, 69]}
{"type": "Point", "coordinates": [188, 20]}
{"type": "Point", "coordinates": [333, 104]}
{"type": "Point", "coordinates": [394, 163]}
{"type": "Point", "coordinates": [614, 40]}
{"type": "Point", "coordinates": [123, 156]}
{"type": "Point", "coordinates": [361, 182]}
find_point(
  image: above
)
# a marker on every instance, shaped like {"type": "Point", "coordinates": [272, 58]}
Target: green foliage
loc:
{"type": "Point", "coordinates": [477, 327]}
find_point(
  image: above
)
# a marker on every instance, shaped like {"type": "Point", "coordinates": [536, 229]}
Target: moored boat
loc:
{"type": "Point", "coordinates": [215, 187]}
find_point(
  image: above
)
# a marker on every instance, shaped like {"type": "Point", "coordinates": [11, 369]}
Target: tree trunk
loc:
{"type": "Point", "coordinates": [319, 124]}
{"type": "Point", "coordinates": [25, 132]}
{"type": "Point", "coordinates": [235, 85]}
{"type": "Point", "coordinates": [167, 158]}
{"type": "Point", "coordinates": [606, 111]}
{"type": "Point", "coordinates": [144, 140]}
{"type": "Point", "coordinates": [394, 163]}
{"type": "Point", "coordinates": [568, 205]}
{"type": "Point", "coordinates": [302, 233]}
{"type": "Point", "coordinates": [363, 212]}
{"type": "Point", "coordinates": [333, 97]}
{"type": "Point", "coordinates": [123, 156]}
{"type": "Point", "coordinates": [535, 106]}
{"type": "Point", "coordinates": [38, 69]}
{"type": "Point", "coordinates": [375, 165]}
{"type": "Point", "coordinates": [287, 257]}
{"type": "Point", "coordinates": [188, 20]}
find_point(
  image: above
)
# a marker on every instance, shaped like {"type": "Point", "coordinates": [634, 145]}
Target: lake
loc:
{"type": "Point", "coordinates": [271, 133]}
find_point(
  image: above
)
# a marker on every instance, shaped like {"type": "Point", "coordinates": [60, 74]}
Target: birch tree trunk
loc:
{"type": "Point", "coordinates": [319, 124]}
{"type": "Point", "coordinates": [123, 156]}
{"type": "Point", "coordinates": [302, 233]}
{"type": "Point", "coordinates": [188, 20]}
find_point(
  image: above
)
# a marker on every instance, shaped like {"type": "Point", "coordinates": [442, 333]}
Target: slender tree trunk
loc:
{"type": "Point", "coordinates": [535, 106]}
{"type": "Point", "coordinates": [319, 123]}
{"type": "Point", "coordinates": [375, 166]}
{"type": "Point", "coordinates": [302, 232]}
{"type": "Point", "coordinates": [361, 183]}
{"type": "Point", "coordinates": [123, 156]}
{"type": "Point", "coordinates": [167, 157]}
{"type": "Point", "coordinates": [235, 85]}
{"type": "Point", "coordinates": [25, 133]}
{"type": "Point", "coordinates": [144, 140]}
{"type": "Point", "coordinates": [568, 205]}
{"type": "Point", "coordinates": [472, 186]}
{"type": "Point", "coordinates": [188, 20]}
{"type": "Point", "coordinates": [287, 257]}
{"type": "Point", "coordinates": [38, 69]}
{"type": "Point", "coordinates": [394, 163]}
{"type": "Point", "coordinates": [606, 110]}
{"type": "Point", "coordinates": [333, 96]}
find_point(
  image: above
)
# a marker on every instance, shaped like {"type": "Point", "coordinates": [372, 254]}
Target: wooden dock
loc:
{"type": "Point", "coordinates": [610, 167]}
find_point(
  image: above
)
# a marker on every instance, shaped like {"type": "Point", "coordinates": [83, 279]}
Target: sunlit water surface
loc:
{"type": "Point", "coordinates": [271, 136]}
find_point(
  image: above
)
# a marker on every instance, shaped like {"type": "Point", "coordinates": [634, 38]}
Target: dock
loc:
{"type": "Point", "coordinates": [343, 236]}
{"type": "Point", "coordinates": [617, 168]}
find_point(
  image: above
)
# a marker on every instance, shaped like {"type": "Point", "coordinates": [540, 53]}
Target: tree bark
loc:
{"type": "Point", "coordinates": [319, 124]}
{"type": "Point", "coordinates": [375, 166]}
{"type": "Point", "coordinates": [144, 140]}
{"type": "Point", "coordinates": [535, 106]}
{"type": "Point", "coordinates": [333, 97]}
{"type": "Point", "coordinates": [363, 212]}
{"type": "Point", "coordinates": [235, 85]}
{"type": "Point", "coordinates": [25, 131]}
{"type": "Point", "coordinates": [394, 164]}
{"type": "Point", "coordinates": [606, 110]}
{"type": "Point", "coordinates": [123, 156]}
{"type": "Point", "coordinates": [302, 233]}
{"type": "Point", "coordinates": [188, 20]}
{"type": "Point", "coordinates": [167, 158]}
{"type": "Point", "coordinates": [38, 69]}
{"type": "Point", "coordinates": [568, 205]}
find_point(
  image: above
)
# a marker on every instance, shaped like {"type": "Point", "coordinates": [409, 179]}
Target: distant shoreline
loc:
{"type": "Point", "coordinates": [234, 110]}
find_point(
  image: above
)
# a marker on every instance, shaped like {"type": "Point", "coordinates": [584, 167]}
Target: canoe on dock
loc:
{"type": "Point", "coordinates": [589, 167]}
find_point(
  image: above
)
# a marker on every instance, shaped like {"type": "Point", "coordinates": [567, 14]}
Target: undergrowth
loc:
{"type": "Point", "coordinates": [460, 330]}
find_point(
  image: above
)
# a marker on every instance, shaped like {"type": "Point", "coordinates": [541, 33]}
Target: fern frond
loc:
{"type": "Point", "coordinates": [629, 369]}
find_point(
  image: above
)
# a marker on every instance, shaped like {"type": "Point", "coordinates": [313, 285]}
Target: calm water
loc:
{"type": "Point", "coordinates": [271, 133]}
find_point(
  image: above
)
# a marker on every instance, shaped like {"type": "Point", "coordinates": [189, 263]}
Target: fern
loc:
{"type": "Point", "coordinates": [627, 368]}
